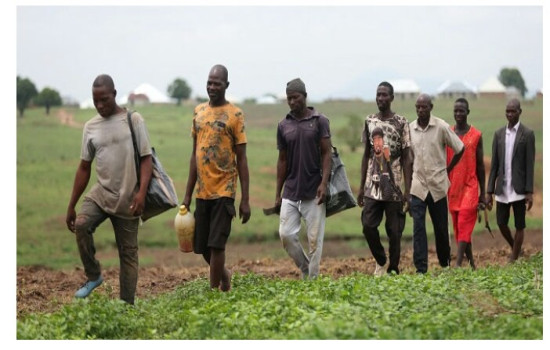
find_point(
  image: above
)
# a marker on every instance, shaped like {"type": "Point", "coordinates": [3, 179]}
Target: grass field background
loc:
{"type": "Point", "coordinates": [48, 154]}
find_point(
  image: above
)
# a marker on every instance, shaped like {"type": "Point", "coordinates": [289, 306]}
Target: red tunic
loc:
{"type": "Point", "coordinates": [464, 190]}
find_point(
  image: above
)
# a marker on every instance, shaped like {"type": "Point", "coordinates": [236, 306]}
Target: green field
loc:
{"type": "Point", "coordinates": [491, 303]}
{"type": "Point", "coordinates": [48, 154]}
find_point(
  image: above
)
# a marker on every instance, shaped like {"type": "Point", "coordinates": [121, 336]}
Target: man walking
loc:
{"type": "Point", "coordinates": [303, 167]}
{"type": "Point", "coordinates": [430, 136]}
{"type": "Point", "coordinates": [512, 175]}
{"type": "Point", "coordinates": [117, 194]}
{"type": "Point", "coordinates": [386, 160]}
{"type": "Point", "coordinates": [217, 159]}
{"type": "Point", "coordinates": [467, 190]}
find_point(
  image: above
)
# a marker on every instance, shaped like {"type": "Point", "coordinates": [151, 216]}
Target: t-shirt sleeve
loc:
{"type": "Point", "coordinates": [406, 136]}
{"type": "Point", "coordinates": [193, 131]}
{"type": "Point", "coordinates": [324, 127]}
{"type": "Point", "coordinates": [281, 144]}
{"type": "Point", "coordinates": [239, 128]}
{"type": "Point", "coordinates": [87, 150]}
{"type": "Point", "coordinates": [365, 132]}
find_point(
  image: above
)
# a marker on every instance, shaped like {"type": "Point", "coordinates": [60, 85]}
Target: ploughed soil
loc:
{"type": "Point", "coordinates": [41, 289]}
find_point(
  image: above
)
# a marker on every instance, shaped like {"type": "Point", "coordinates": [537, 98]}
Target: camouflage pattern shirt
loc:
{"type": "Point", "coordinates": [218, 130]}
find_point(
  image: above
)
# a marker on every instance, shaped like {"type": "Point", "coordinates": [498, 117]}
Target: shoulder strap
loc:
{"type": "Point", "coordinates": [134, 143]}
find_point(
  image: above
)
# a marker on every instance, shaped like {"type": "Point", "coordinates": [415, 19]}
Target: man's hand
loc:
{"type": "Point", "coordinates": [321, 193]}
{"type": "Point", "coordinates": [489, 201]}
{"type": "Point", "coordinates": [244, 211]}
{"type": "Point", "coordinates": [360, 199]}
{"type": "Point", "coordinates": [71, 217]}
{"type": "Point", "coordinates": [137, 205]}
{"type": "Point", "coordinates": [529, 200]}
{"type": "Point", "coordinates": [407, 203]}
{"type": "Point", "coordinates": [482, 203]}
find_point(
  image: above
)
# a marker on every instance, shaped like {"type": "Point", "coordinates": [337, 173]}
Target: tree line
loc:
{"type": "Point", "coordinates": [48, 97]}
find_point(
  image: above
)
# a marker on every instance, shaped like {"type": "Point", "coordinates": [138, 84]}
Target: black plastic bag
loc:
{"type": "Point", "coordinates": [339, 196]}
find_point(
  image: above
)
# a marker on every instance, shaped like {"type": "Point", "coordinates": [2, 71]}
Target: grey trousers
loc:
{"type": "Point", "coordinates": [314, 216]}
{"type": "Point", "coordinates": [87, 220]}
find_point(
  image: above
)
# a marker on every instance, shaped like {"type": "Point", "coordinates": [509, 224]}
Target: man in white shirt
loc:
{"type": "Point", "coordinates": [512, 175]}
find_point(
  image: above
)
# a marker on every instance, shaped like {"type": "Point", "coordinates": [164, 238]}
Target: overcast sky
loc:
{"type": "Point", "coordinates": [339, 51]}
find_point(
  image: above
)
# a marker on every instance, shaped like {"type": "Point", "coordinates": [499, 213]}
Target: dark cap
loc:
{"type": "Point", "coordinates": [296, 85]}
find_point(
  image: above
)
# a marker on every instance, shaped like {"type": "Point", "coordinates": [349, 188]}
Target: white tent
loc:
{"type": "Point", "coordinates": [153, 94]}
{"type": "Point", "coordinates": [492, 85]}
{"type": "Point", "coordinates": [405, 88]}
{"type": "Point", "coordinates": [454, 89]}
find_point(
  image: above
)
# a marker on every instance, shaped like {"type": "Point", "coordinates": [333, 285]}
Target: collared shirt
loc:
{"type": "Point", "coordinates": [508, 194]}
{"type": "Point", "coordinates": [301, 139]}
{"type": "Point", "coordinates": [430, 157]}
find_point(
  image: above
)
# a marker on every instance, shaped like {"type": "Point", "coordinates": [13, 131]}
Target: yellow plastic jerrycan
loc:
{"type": "Point", "coordinates": [184, 223]}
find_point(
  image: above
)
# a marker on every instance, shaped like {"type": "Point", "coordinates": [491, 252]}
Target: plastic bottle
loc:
{"type": "Point", "coordinates": [184, 223]}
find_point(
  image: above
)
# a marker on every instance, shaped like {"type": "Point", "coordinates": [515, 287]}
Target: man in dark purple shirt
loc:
{"type": "Point", "coordinates": [303, 167]}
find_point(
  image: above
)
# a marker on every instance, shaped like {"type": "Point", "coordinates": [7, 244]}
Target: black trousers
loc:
{"type": "Point", "coordinates": [371, 217]}
{"type": "Point", "coordinates": [439, 215]}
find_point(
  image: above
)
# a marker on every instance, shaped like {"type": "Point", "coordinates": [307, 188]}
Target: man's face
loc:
{"type": "Point", "coordinates": [512, 113]}
{"type": "Point", "coordinates": [216, 86]}
{"type": "Point", "coordinates": [296, 101]}
{"type": "Point", "coordinates": [383, 98]}
{"type": "Point", "coordinates": [423, 109]}
{"type": "Point", "coordinates": [461, 113]}
{"type": "Point", "coordinates": [104, 100]}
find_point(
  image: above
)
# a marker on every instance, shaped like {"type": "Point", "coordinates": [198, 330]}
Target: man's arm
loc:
{"type": "Point", "coordinates": [480, 170]}
{"type": "Point", "coordinates": [81, 179]}
{"type": "Point", "coordinates": [364, 167]}
{"type": "Point", "coordinates": [326, 146]}
{"type": "Point", "coordinates": [281, 176]}
{"type": "Point", "coordinates": [145, 173]}
{"type": "Point", "coordinates": [492, 173]}
{"type": "Point", "coordinates": [455, 160]}
{"type": "Point", "coordinates": [242, 168]}
{"type": "Point", "coordinates": [530, 170]}
{"type": "Point", "coordinates": [192, 178]}
{"type": "Point", "coordinates": [407, 165]}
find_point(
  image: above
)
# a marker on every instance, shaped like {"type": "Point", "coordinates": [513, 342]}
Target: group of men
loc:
{"type": "Point", "coordinates": [443, 171]}
{"type": "Point", "coordinates": [426, 156]}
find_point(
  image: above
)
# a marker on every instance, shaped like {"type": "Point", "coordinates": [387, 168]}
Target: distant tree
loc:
{"type": "Point", "coordinates": [512, 77]}
{"type": "Point", "coordinates": [250, 100]}
{"type": "Point", "coordinates": [351, 133]}
{"type": "Point", "coordinates": [26, 91]}
{"type": "Point", "coordinates": [48, 97]}
{"type": "Point", "coordinates": [179, 90]}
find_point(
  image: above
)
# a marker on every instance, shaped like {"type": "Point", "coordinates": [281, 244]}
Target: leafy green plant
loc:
{"type": "Point", "coordinates": [491, 303]}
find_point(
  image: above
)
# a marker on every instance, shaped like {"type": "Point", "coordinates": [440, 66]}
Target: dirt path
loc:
{"type": "Point", "coordinates": [67, 118]}
{"type": "Point", "coordinates": [41, 289]}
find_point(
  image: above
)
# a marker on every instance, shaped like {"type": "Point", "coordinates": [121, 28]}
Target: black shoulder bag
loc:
{"type": "Point", "coordinates": [161, 193]}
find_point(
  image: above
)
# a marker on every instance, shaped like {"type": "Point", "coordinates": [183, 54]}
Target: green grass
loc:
{"type": "Point", "coordinates": [491, 303]}
{"type": "Point", "coordinates": [48, 154]}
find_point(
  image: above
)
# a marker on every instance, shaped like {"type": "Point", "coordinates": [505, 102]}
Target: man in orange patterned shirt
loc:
{"type": "Point", "coordinates": [218, 158]}
{"type": "Point", "coordinates": [467, 190]}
